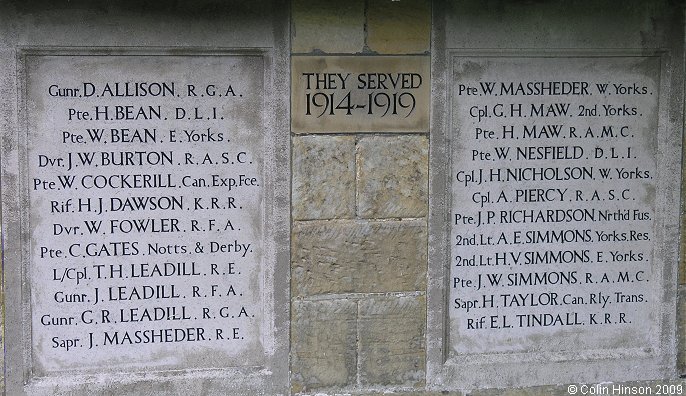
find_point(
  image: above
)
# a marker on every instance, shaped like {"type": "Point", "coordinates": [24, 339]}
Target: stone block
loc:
{"type": "Point", "coordinates": [393, 176]}
{"type": "Point", "coordinates": [323, 342]}
{"type": "Point", "coordinates": [392, 347]}
{"type": "Point", "coordinates": [329, 26]}
{"type": "Point", "coordinates": [362, 94]}
{"type": "Point", "coordinates": [358, 256]}
{"type": "Point", "coordinates": [323, 177]}
{"type": "Point", "coordinates": [399, 27]}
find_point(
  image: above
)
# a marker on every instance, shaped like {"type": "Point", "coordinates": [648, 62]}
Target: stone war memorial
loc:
{"type": "Point", "coordinates": [364, 197]}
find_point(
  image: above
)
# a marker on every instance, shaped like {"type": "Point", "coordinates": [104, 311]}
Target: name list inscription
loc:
{"type": "Point", "coordinates": [553, 186]}
{"type": "Point", "coordinates": [146, 210]}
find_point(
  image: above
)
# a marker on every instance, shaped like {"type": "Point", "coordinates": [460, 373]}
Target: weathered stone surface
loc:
{"type": "Point", "coordinates": [2, 318]}
{"type": "Point", "coordinates": [323, 177]}
{"type": "Point", "coordinates": [399, 27]}
{"type": "Point", "coordinates": [323, 342]}
{"type": "Point", "coordinates": [681, 330]}
{"type": "Point", "coordinates": [537, 391]}
{"type": "Point", "coordinates": [604, 388]}
{"type": "Point", "coordinates": [329, 26]}
{"type": "Point", "coordinates": [635, 311]}
{"type": "Point", "coordinates": [392, 346]}
{"type": "Point", "coordinates": [101, 344]}
{"type": "Point", "coordinates": [408, 393]}
{"type": "Point", "coordinates": [597, 24]}
{"type": "Point", "coordinates": [128, 365]}
{"type": "Point", "coordinates": [358, 256]}
{"type": "Point", "coordinates": [682, 251]}
{"type": "Point", "coordinates": [393, 176]}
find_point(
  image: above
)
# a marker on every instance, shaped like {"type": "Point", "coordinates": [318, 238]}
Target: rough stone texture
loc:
{"type": "Point", "coordinates": [404, 393]}
{"type": "Point", "coordinates": [529, 24]}
{"type": "Point", "coordinates": [682, 251]}
{"type": "Point", "coordinates": [393, 174]}
{"type": "Point", "coordinates": [407, 393]}
{"type": "Point", "coordinates": [323, 344]}
{"type": "Point", "coordinates": [399, 27]}
{"type": "Point", "coordinates": [331, 252]}
{"type": "Point", "coordinates": [681, 330]}
{"type": "Point", "coordinates": [2, 313]}
{"type": "Point", "coordinates": [392, 333]}
{"type": "Point", "coordinates": [358, 257]}
{"type": "Point", "coordinates": [323, 177]}
{"type": "Point", "coordinates": [329, 26]}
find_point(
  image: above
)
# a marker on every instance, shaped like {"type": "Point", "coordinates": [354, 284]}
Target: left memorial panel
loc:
{"type": "Point", "coordinates": [148, 243]}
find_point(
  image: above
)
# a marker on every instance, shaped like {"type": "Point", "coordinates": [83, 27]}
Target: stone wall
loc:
{"type": "Point", "coordinates": [360, 201]}
{"type": "Point", "coordinates": [360, 259]}
{"type": "Point", "coordinates": [359, 219]}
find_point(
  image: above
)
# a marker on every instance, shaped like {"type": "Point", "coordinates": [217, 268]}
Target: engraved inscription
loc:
{"type": "Point", "coordinates": [146, 205]}
{"type": "Point", "coordinates": [553, 203]}
{"type": "Point", "coordinates": [360, 94]}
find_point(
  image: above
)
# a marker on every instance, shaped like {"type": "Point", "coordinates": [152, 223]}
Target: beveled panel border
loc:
{"type": "Point", "coordinates": [272, 378]}
{"type": "Point", "coordinates": [514, 370]}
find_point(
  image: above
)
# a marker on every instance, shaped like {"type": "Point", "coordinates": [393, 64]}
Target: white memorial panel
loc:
{"type": "Point", "coordinates": [561, 219]}
{"type": "Point", "coordinates": [145, 177]}
{"type": "Point", "coordinates": [553, 204]}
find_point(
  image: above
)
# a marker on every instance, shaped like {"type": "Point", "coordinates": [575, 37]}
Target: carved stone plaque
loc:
{"type": "Point", "coordinates": [360, 94]}
{"type": "Point", "coordinates": [146, 211]}
{"type": "Point", "coordinates": [558, 204]}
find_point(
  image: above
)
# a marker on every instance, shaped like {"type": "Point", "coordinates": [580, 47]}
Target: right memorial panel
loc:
{"type": "Point", "coordinates": [560, 220]}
